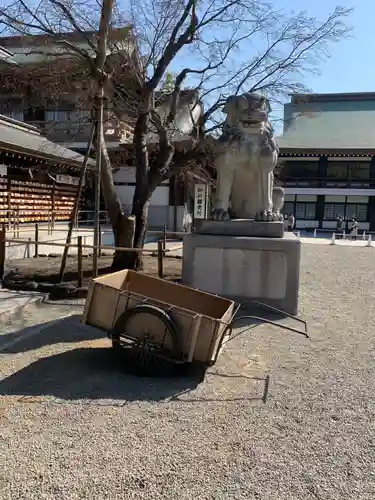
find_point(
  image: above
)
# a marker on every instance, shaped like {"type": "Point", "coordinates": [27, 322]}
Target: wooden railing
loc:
{"type": "Point", "coordinates": [160, 253]}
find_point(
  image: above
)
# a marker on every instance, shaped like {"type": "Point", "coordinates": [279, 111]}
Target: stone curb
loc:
{"type": "Point", "coordinates": [47, 290]}
{"type": "Point", "coordinates": [13, 311]}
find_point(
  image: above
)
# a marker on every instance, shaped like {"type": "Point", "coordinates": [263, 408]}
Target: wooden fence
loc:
{"type": "Point", "coordinates": [161, 249]}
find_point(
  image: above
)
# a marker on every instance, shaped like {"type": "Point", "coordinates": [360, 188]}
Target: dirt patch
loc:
{"type": "Point", "coordinates": [47, 269]}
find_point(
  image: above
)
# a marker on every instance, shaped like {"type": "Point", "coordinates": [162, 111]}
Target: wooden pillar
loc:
{"type": "Point", "coordinates": [36, 239]}
{"type": "Point", "coordinates": [319, 210]}
{"type": "Point", "coordinates": [79, 262]}
{"type": "Point", "coordinates": [53, 195]}
{"type": "Point", "coordinates": [9, 188]}
{"type": "Point", "coordinates": [2, 250]}
{"type": "Point", "coordinates": [372, 172]}
{"type": "Point", "coordinates": [322, 174]}
{"type": "Point", "coordinates": [371, 212]}
{"type": "Point", "coordinates": [322, 169]}
{"type": "Point", "coordinates": [160, 259]}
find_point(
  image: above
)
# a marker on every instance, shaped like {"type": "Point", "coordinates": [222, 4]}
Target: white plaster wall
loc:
{"type": "Point", "coordinates": [329, 224]}
{"type": "Point", "coordinates": [124, 174]}
{"type": "Point", "coordinates": [306, 224]}
{"type": "Point", "coordinates": [363, 226]}
{"type": "Point", "coordinates": [127, 174]}
{"type": "Point", "coordinates": [160, 196]}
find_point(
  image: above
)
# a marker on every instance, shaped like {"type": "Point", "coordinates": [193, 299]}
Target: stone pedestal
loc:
{"type": "Point", "coordinates": [245, 268]}
{"type": "Point", "coordinates": [243, 227]}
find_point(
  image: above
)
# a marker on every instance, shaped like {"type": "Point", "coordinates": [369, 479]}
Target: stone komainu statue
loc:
{"type": "Point", "coordinates": [245, 162]}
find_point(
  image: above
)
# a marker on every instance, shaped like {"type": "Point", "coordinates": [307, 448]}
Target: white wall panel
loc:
{"type": "Point", "coordinates": [124, 174]}
{"type": "Point", "coordinates": [127, 174]}
{"type": "Point", "coordinates": [160, 196]}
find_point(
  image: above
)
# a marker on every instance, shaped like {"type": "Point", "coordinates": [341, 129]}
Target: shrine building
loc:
{"type": "Point", "coordinates": [327, 159]}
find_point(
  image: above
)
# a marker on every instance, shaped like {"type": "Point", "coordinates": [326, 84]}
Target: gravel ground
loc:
{"type": "Point", "coordinates": [73, 427]}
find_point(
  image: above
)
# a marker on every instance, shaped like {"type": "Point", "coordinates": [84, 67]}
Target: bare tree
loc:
{"type": "Point", "coordinates": [215, 48]}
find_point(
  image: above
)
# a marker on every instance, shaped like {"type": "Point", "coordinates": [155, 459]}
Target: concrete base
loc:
{"type": "Point", "coordinates": [243, 227]}
{"type": "Point", "coordinates": [243, 268]}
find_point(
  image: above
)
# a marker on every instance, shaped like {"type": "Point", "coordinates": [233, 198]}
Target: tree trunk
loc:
{"type": "Point", "coordinates": [140, 212]}
{"type": "Point", "coordinates": [123, 226]}
{"type": "Point", "coordinates": [124, 236]}
{"type": "Point", "coordinates": [131, 233]}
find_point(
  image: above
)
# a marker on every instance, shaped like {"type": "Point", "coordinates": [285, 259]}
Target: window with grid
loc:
{"type": "Point", "coordinates": [359, 170]}
{"type": "Point", "coordinates": [357, 210]}
{"type": "Point", "coordinates": [300, 169]}
{"type": "Point", "coordinates": [337, 170]}
{"type": "Point", "coordinates": [288, 208]}
{"type": "Point", "coordinates": [334, 210]}
{"type": "Point", "coordinates": [305, 211]}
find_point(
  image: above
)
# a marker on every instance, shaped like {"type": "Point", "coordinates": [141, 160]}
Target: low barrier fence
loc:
{"type": "Point", "coordinates": [48, 223]}
{"type": "Point", "coordinates": [160, 252]}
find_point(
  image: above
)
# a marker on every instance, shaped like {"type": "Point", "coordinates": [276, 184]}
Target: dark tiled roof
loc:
{"type": "Point", "coordinates": [21, 138]}
{"type": "Point", "coordinates": [6, 56]}
{"type": "Point", "coordinates": [117, 34]}
{"type": "Point", "coordinates": [336, 124]}
{"type": "Point", "coordinates": [336, 97]}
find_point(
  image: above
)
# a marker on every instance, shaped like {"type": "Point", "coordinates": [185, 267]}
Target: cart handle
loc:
{"type": "Point", "coordinates": [263, 320]}
{"type": "Point", "coordinates": [272, 308]}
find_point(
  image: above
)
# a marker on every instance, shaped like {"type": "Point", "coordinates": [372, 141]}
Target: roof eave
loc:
{"type": "Point", "coordinates": [16, 149]}
{"type": "Point", "coordinates": [327, 151]}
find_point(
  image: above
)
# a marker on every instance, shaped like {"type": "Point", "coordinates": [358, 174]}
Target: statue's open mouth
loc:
{"type": "Point", "coordinates": [250, 123]}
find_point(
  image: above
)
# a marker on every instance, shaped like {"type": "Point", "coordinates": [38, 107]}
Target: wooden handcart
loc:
{"type": "Point", "coordinates": [155, 323]}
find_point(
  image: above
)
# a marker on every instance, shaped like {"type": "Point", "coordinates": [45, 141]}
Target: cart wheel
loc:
{"type": "Point", "coordinates": [147, 352]}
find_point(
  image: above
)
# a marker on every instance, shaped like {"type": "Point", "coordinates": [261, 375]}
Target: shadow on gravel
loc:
{"type": "Point", "coordinates": [91, 374]}
{"type": "Point", "coordinates": [66, 330]}
{"type": "Point", "coordinates": [94, 375]}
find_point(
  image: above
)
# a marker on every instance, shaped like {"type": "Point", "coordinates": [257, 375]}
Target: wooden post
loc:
{"type": "Point", "coordinates": [18, 222]}
{"type": "Point", "coordinates": [74, 216]}
{"type": "Point", "coordinates": [100, 240]}
{"type": "Point", "coordinates": [36, 239]}
{"type": "Point", "coordinates": [79, 262]}
{"type": "Point", "coordinates": [9, 189]}
{"type": "Point", "coordinates": [165, 237]}
{"type": "Point", "coordinates": [28, 249]}
{"type": "Point", "coordinates": [98, 108]}
{"type": "Point", "coordinates": [53, 203]}
{"type": "Point", "coordinates": [160, 259]}
{"type": "Point", "coordinates": [2, 251]}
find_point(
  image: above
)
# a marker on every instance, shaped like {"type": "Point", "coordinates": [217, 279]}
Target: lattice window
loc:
{"type": "Point", "coordinates": [357, 210]}
{"type": "Point", "coordinates": [334, 210]}
{"type": "Point", "coordinates": [288, 208]}
{"type": "Point", "coordinates": [305, 211]}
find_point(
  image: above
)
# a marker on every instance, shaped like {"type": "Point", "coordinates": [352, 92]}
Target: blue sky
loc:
{"type": "Point", "coordinates": [350, 68]}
